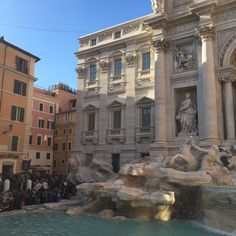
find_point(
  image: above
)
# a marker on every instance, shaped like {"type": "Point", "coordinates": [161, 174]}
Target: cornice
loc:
{"type": "Point", "coordinates": [227, 74]}
{"type": "Point", "coordinates": [160, 21]}
{"type": "Point", "coordinates": [203, 8]}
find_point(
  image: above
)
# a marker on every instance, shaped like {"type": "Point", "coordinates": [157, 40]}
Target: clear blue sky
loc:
{"type": "Point", "coordinates": [49, 29]}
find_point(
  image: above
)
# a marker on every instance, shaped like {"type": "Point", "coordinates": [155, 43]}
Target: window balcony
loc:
{"type": "Point", "coordinates": [145, 133]}
{"type": "Point", "coordinates": [90, 136]}
{"type": "Point", "coordinates": [116, 134]}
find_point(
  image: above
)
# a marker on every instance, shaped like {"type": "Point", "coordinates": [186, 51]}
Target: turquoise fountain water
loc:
{"type": "Point", "coordinates": [59, 224]}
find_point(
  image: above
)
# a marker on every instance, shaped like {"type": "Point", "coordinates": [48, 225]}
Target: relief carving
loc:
{"type": "Point", "coordinates": [130, 28]}
{"type": "Point", "coordinates": [84, 43]}
{"type": "Point", "coordinates": [104, 65]}
{"type": "Point", "coordinates": [104, 36]}
{"type": "Point", "coordinates": [184, 59]}
{"type": "Point", "coordinates": [130, 59]}
{"type": "Point", "coordinates": [81, 71]}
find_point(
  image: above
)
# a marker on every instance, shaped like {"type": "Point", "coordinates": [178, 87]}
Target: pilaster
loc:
{"type": "Point", "coordinates": [130, 63]}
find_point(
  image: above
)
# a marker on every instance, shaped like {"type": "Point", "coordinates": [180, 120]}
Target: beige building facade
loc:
{"type": "Point", "coordinates": [148, 83]}
{"type": "Point", "coordinates": [16, 91]}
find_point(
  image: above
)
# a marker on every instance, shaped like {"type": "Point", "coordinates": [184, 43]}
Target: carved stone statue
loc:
{"type": "Point", "coordinates": [185, 160]}
{"type": "Point", "coordinates": [212, 160]}
{"type": "Point", "coordinates": [187, 117]}
{"type": "Point", "coordinates": [155, 6]}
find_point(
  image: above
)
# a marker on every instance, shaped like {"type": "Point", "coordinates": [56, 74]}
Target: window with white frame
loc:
{"type": "Point", "coordinates": [17, 113]}
{"type": "Point", "coordinates": [40, 123]}
{"type": "Point", "coordinates": [117, 67]}
{"type": "Point", "coordinates": [39, 140]}
{"type": "Point", "coordinates": [117, 119]}
{"type": "Point", "coordinates": [91, 121]}
{"type": "Point", "coordinates": [146, 117]}
{"type": "Point", "coordinates": [146, 61]}
{"type": "Point", "coordinates": [92, 72]}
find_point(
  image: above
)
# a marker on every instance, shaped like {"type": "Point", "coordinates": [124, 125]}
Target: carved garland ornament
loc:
{"type": "Point", "coordinates": [81, 71]}
{"type": "Point", "coordinates": [104, 65]}
{"type": "Point", "coordinates": [130, 59]}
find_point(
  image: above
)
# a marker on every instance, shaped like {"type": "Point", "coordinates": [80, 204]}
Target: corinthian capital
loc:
{"type": "Point", "coordinates": [160, 45]}
{"type": "Point", "coordinates": [205, 32]}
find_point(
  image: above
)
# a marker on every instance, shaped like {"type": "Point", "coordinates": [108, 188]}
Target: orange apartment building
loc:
{"type": "Point", "coordinates": [53, 125]}
{"type": "Point", "coordinates": [16, 91]}
{"type": "Point", "coordinates": [65, 120]}
{"type": "Point", "coordinates": [45, 106]}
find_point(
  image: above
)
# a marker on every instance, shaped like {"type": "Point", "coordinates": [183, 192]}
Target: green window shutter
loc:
{"type": "Point", "coordinates": [23, 89]}
{"type": "Point", "coordinates": [14, 143]}
{"type": "Point", "coordinates": [13, 112]}
{"type": "Point", "coordinates": [21, 114]}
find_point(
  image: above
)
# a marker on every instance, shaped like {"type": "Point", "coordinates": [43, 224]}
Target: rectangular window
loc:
{"type": "Point", "coordinates": [146, 61]}
{"type": "Point", "coordinates": [19, 87]}
{"type": "Point", "coordinates": [40, 123]}
{"type": "Point", "coordinates": [17, 113]}
{"type": "Point", "coordinates": [65, 131]}
{"type": "Point", "coordinates": [73, 103]}
{"type": "Point", "coordinates": [146, 116]}
{"type": "Point", "coordinates": [21, 65]}
{"type": "Point", "coordinates": [91, 122]}
{"type": "Point", "coordinates": [39, 140]}
{"type": "Point", "coordinates": [117, 34]}
{"type": "Point", "coordinates": [69, 146]}
{"type": "Point", "coordinates": [92, 72]}
{"type": "Point", "coordinates": [49, 142]}
{"type": "Point", "coordinates": [70, 130]}
{"type": "Point", "coordinates": [48, 156]}
{"type": "Point", "coordinates": [117, 119]}
{"type": "Point", "coordinates": [50, 109]}
{"type": "Point", "coordinates": [117, 67]}
{"type": "Point", "coordinates": [37, 155]}
{"type": "Point", "coordinates": [41, 106]}
{"type": "Point", "coordinates": [14, 143]}
{"type": "Point", "coordinates": [50, 124]}
{"type": "Point", "coordinates": [30, 139]}
{"type": "Point", "coordinates": [93, 42]}
{"type": "Point", "coordinates": [64, 146]}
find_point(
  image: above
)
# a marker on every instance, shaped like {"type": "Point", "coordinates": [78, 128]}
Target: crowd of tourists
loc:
{"type": "Point", "coordinates": [26, 189]}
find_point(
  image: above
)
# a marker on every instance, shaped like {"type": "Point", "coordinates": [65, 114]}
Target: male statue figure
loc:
{"type": "Point", "coordinates": [155, 6]}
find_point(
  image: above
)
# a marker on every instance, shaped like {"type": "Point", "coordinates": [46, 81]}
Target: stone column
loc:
{"type": "Point", "coordinates": [229, 109]}
{"type": "Point", "coordinates": [160, 46]}
{"type": "Point", "coordinates": [208, 86]}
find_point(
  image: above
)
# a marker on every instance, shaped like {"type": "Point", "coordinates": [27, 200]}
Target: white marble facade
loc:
{"type": "Point", "coordinates": [134, 80]}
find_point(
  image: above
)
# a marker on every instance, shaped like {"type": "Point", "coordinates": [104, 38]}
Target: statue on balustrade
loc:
{"type": "Point", "coordinates": [155, 6]}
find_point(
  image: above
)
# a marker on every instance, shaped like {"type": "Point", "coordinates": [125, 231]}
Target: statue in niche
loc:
{"type": "Point", "coordinates": [155, 6]}
{"type": "Point", "coordinates": [184, 59]}
{"type": "Point", "coordinates": [187, 117]}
